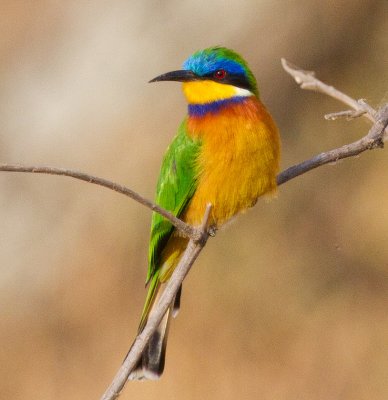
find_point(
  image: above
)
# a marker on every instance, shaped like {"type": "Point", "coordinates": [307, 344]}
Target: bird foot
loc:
{"type": "Point", "coordinates": [212, 230]}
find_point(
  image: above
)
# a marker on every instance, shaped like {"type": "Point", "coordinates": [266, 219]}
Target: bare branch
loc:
{"type": "Point", "coordinates": [186, 229]}
{"type": "Point", "coordinates": [374, 139]}
{"type": "Point", "coordinates": [307, 80]}
{"type": "Point", "coordinates": [348, 114]}
{"type": "Point", "coordinates": [189, 256]}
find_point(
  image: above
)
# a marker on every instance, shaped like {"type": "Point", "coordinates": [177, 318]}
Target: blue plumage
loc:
{"type": "Point", "coordinates": [198, 110]}
{"type": "Point", "coordinates": [205, 62]}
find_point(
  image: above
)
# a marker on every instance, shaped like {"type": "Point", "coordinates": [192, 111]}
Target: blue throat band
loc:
{"type": "Point", "coordinates": [199, 110]}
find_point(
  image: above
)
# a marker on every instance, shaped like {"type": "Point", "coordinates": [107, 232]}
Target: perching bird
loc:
{"type": "Point", "coordinates": [226, 153]}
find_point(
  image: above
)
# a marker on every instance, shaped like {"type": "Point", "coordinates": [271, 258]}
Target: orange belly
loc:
{"type": "Point", "coordinates": [239, 160]}
{"type": "Point", "coordinates": [238, 163]}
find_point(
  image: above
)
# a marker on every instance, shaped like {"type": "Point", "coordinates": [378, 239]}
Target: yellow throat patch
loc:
{"type": "Point", "coordinates": [201, 92]}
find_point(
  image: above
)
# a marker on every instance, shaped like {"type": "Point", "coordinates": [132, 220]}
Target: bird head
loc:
{"type": "Point", "coordinates": [213, 74]}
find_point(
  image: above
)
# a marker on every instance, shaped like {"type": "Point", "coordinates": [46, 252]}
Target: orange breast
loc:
{"type": "Point", "coordinates": [238, 162]}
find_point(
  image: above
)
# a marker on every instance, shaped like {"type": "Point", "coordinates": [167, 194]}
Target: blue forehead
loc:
{"type": "Point", "coordinates": [202, 63]}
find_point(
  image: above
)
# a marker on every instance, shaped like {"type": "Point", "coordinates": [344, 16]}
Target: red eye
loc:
{"type": "Point", "coordinates": [220, 74]}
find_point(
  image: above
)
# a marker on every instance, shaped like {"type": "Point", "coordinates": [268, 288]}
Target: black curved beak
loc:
{"type": "Point", "coordinates": [178, 76]}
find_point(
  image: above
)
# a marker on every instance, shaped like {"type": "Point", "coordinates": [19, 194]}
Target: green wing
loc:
{"type": "Point", "coordinates": [176, 185]}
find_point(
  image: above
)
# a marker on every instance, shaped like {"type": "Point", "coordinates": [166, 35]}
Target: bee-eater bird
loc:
{"type": "Point", "coordinates": [226, 153]}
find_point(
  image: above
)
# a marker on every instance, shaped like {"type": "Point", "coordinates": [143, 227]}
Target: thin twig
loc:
{"type": "Point", "coordinates": [372, 140]}
{"type": "Point", "coordinates": [189, 256]}
{"type": "Point", "coordinates": [307, 80]}
{"type": "Point", "coordinates": [184, 228]}
{"type": "Point", "coordinates": [348, 114]}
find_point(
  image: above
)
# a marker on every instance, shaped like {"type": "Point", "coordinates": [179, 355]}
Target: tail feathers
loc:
{"type": "Point", "coordinates": [151, 364]}
{"type": "Point", "coordinates": [177, 302]}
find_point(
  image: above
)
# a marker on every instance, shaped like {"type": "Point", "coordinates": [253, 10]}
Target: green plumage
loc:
{"type": "Point", "coordinates": [176, 185]}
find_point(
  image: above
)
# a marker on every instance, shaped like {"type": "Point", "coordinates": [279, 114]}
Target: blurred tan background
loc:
{"type": "Point", "coordinates": [288, 302]}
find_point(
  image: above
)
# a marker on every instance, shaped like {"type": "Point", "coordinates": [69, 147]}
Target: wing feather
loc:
{"type": "Point", "coordinates": [176, 185]}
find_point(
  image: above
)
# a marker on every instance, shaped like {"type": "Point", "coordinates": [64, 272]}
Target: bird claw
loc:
{"type": "Point", "coordinates": [212, 230]}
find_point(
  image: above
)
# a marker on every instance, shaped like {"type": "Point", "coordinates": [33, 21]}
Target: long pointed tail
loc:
{"type": "Point", "coordinates": [151, 363]}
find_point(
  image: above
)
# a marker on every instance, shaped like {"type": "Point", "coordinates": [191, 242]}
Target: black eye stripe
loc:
{"type": "Point", "coordinates": [236, 80]}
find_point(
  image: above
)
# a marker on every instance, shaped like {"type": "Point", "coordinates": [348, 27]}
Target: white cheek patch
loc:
{"type": "Point", "coordinates": [242, 92]}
